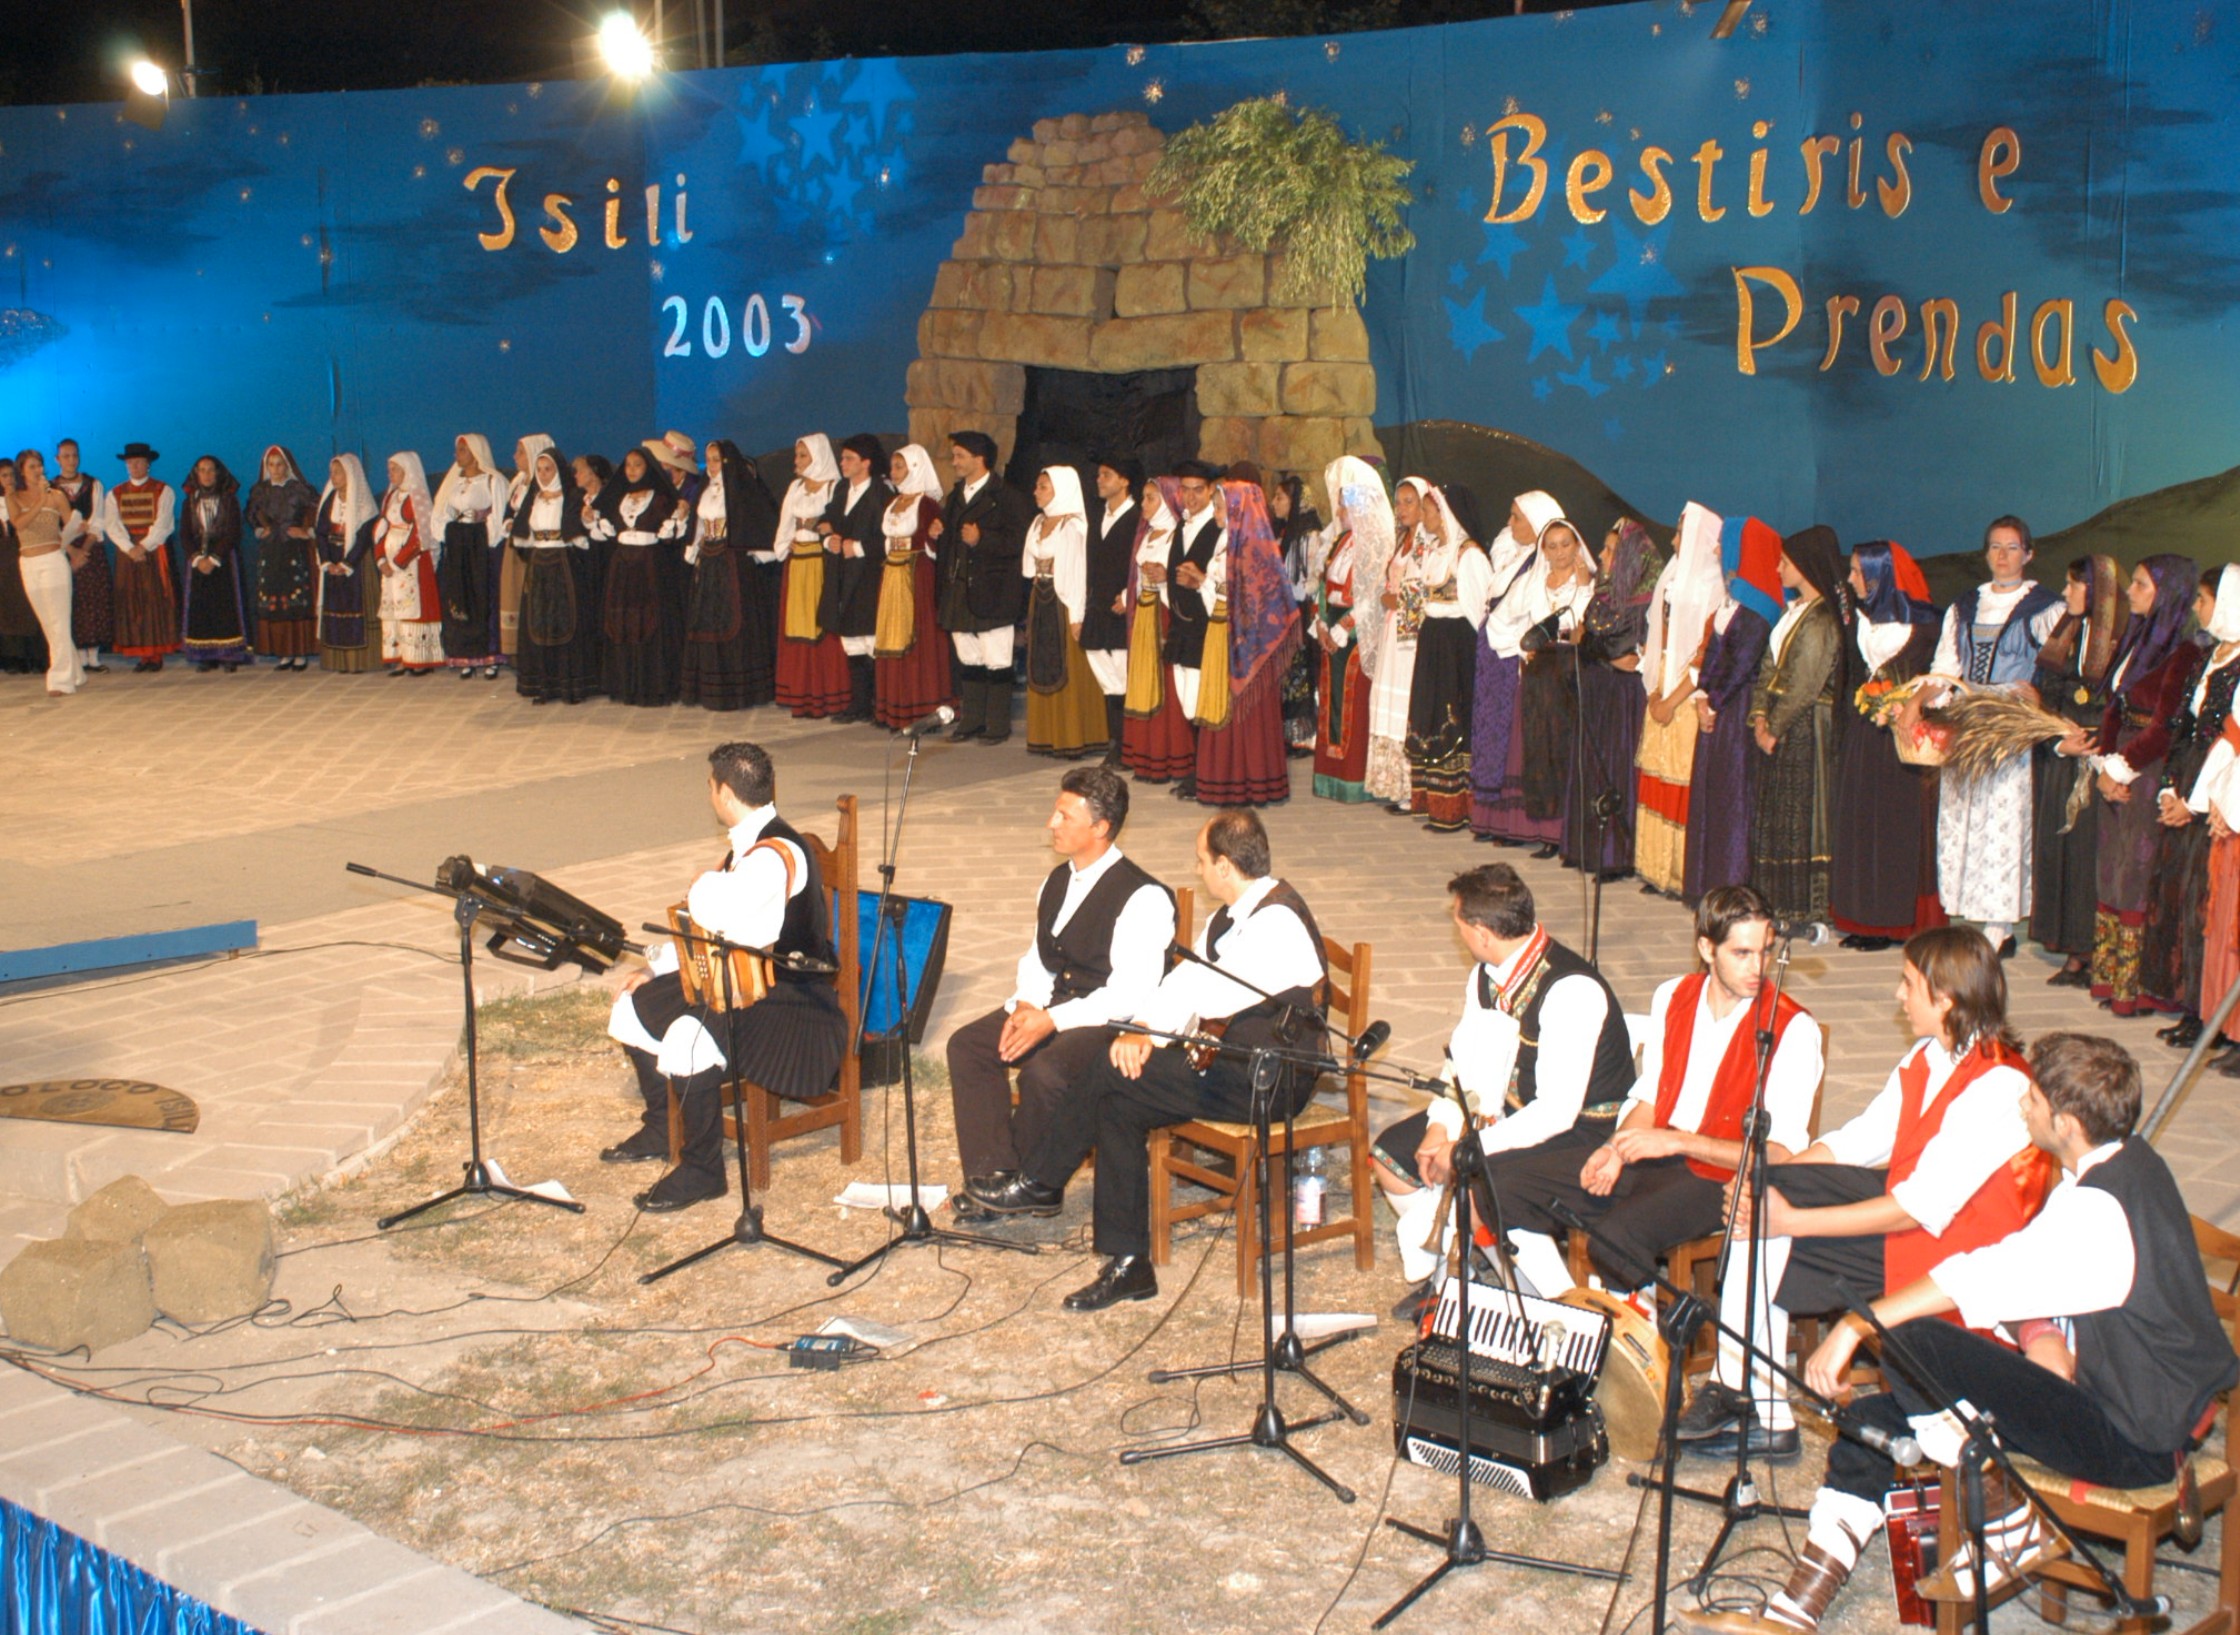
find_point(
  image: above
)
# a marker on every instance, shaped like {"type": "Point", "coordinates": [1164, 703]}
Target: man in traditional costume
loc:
{"type": "Point", "coordinates": [1188, 575]}
{"type": "Point", "coordinates": [1115, 521]}
{"type": "Point", "coordinates": [767, 893]}
{"type": "Point", "coordinates": [855, 557]}
{"type": "Point", "coordinates": [138, 519]}
{"type": "Point", "coordinates": [983, 590]}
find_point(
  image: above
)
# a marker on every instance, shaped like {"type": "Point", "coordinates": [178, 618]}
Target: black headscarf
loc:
{"type": "Point", "coordinates": [1816, 554]}
{"type": "Point", "coordinates": [571, 502]}
{"type": "Point", "coordinates": [655, 481]}
{"type": "Point", "coordinates": [749, 513]}
{"type": "Point", "coordinates": [1300, 526]}
{"type": "Point", "coordinates": [1462, 504]}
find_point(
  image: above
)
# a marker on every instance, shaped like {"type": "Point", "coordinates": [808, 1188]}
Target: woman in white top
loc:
{"type": "Point", "coordinates": [910, 653]}
{"type": "Point", "coordinates": [1543, 616]}
{"type": "Point", "coordinates": [1065, 706]}
{"type": "Point", "coordinates": [1400, 604]}
{"type": "Point", "coordinates": [405, 552]}
{"type": "Point", "coordinates": [1157, 742]}
{"type": "Point", "coordinates": [640, 515]}
{"type": "Point", "coordinates": [812, 665]}
{"type": "Point", "coordinates": [557, 654]}
{"type": "Point", "coordinates": [470, 516]}
{"type": "Point", "coordinates": [731, 607]}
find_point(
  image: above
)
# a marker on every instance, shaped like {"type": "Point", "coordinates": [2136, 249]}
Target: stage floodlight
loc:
{"type": "Point", "coordinates": [623, 45]}
{"type": "Point", "coordinates": [147, 94]}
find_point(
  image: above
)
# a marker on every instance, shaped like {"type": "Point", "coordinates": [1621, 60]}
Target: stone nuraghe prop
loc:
{"type": "Point", "coordinates": [1066, 262]}
{"type": "Point", "coordinates": [63, 1293]}
{"type": "Point", "coordinates": [120, 1212]}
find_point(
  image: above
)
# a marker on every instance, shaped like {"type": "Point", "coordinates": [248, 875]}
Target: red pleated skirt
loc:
{"type": "Point", "coordinates": [1243, 763]}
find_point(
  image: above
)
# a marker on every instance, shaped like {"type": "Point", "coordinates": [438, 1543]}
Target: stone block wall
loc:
{"type": "Point", "coordinates": [1066, 262]}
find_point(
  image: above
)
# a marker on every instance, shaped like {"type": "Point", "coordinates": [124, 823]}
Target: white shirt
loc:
{"type": "Point", "coordinates": [798, 518]}
{"type": "Point", "coordinates": [1880, 643]}
{"type": "Point", "coordinates": [548, 515]}
{"type": "Point", "coordinates": [1791, 616]}
{"type": "Point", "coordinates": [1062, 545]}
{"type": "Point", "coordinates": [1271, 951]}
{"type": "Point", "coordinates": [1993, 606]}
{"type": "Point", "coordinates": [745, 903]}
{"type": "Point", "coordinates": [1980, 1133]}
{"type": "Point", "coordinates": [1482, 1053]}
{"type": "Point", "coordinates": [1140, 935]}
{"type": "Point", "coordinates": [1106, 524]}
{"type": "Point", "coordinates": [1528, 602]}
{"type": "Point", "coordinates": [1792, 1083]}
{"type": "Point", "coordinates": [158, 531]}
{"type": "Point", "coordinates": [972, 488]}
{"type": "Point", "coordinates": [480, 498]}
{"type": "Point", "coordinates": [2076, 1256]}
{"type": "Point", "coordinates": [1473, 590]}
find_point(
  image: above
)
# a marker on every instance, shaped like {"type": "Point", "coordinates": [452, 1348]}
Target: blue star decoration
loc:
{"type": "Point", "coordinates": [1551, 320]}
{"type": "Point", "coordinates": [818, 127]}
{"type": "Point", "coordinates": [1605, 330]}
{"type": "Point", "coordinates": [1467, 327]}
{"type": "Point", "coordinates": [1583, 378]}
{"type": "Point", "coordinates": [1578, 247]}
{"type": "Point", "coordinates": [1503, 245]}
{"type": "Point", "coordinates": [826, 141]}
{"type": "Point", "coordinates": [1542, 387]}
{"type": "Point", "coordinates": [1639, 275]}
{"type": "Point", "coordinates": [1458, 275]}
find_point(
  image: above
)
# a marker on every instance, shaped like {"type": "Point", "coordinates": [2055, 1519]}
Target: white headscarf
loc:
{"type": "Point", "coordinates": [919, 477]}
{"type": "Point", "coordinates": [1357, 497]}
{"type": "Point", "coordinates": [1693, 587]}
{"type": "Point", "coordinates": [357, 504]}
{"type": "Point", "coordinates": [1065, 493]}
{"type": "Point", "coordinates": [823, 468]}
{"type": "Point", "coordinates": [415, 486]}
{"type": "Point", "coordinates": [1506, 551]}
{"type": "Point", "coordinates": [295, 471]}
{"type": "Point", "coordinates": [532, 445]}
{"type": "Point", "coordinates": [485, 462]}
{"type": "Point", "coordinates": [2224, 619]}
{"type": "Point", "coordinates": [1443, 535]}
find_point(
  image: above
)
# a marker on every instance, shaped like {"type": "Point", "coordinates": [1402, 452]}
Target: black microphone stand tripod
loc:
{"type": "Point", "coordinates": [746, 1232]}
{"type": "Point", "coordinates": [1463, 1542]}
{"type": "Point", "coordinates": [916, 1225]}
{"type": "Point", "coordinates": [470, 903]}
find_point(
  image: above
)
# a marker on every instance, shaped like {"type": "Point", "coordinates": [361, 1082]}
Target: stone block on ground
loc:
{"type": "Point", "coordinates": [211, 1261]}
{"type": "Point", "coordinates": [118, 1213]}
{"type": "Point", "coordinates": [68, 1292]}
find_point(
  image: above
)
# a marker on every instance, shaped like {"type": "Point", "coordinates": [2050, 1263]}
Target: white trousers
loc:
{"type": "Point", "coordinates": [858, 647]}
{"type": "Point", "coordinates": [46, 582]}
{"type": "Point", "coordinates": [1110, 666]}
{"type": "Point", "coordinates": [986, 649]}
{"type": "Point", "coordinates": [1185, 689]}
{"type": "Point", "coordinates": [1771, 1331]}
{"type": "Point", "coordinates": [686, 1049]}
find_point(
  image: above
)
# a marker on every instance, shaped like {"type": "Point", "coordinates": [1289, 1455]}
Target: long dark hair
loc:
{"type": "Point", "coordinates": [1958, 964]}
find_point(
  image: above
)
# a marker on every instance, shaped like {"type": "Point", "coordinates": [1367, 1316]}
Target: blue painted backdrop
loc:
{"type": "Point", "coordinates": [308, 269]}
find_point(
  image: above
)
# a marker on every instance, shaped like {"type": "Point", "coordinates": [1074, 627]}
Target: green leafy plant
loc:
{"type": "Point", "coordinates": [1274, 177]}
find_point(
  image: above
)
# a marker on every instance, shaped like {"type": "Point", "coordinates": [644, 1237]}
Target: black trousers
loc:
{"type": "Point", "coordinates": [1656, 1203]}
{"type": "Point", "coordinates": [699, 1107]}
{"type": "Point", "coordinates": [1826, 1274]}
{"type": "Point", "coordinates": [1113, 1116]}
{"type": "Point", "coordinates": [991, 1134]}
{"type": "Point", "coordinates": [2057, 1423]}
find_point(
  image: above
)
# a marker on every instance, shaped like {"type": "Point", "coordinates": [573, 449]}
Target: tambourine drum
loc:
{"type": "Point", "coordinates": [1630, 1392]}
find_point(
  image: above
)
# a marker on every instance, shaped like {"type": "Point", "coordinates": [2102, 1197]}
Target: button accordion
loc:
{"type": "Point", "coordinates": [1534, 1428]}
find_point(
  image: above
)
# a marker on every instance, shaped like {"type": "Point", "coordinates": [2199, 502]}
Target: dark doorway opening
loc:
{"type": "Point", "coordinates": [1074, 418]}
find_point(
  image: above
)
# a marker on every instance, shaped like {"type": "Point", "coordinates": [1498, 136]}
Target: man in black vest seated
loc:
{"type": "Point", "coordinates": [1264, 934]}
{"type": "Point", "coordinates": [2122, 1362]}
{"type": "Point", "coordinates": [1102, 926]}
{"type": "Point", "coordinates": [765, 894]}
{"type": "Point", "coordinates": [1541, 1049]}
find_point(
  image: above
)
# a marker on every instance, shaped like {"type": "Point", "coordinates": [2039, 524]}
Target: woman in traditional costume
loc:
{"type": "Point", "coordinates": [2148, 691]}
{"type": "Point", "coordinates": [1688, 593]}
{"type": "Point", "coordinates": [1792, 720]}
{"type": "Point", "coordinates": [1496, 750]}
{"type": "Point", "coordinates": [1550, 606]}
{"type": "Point", "coordinates": [2214, 799]}
{"type": "Point", "coordinates": [21, 640]}
{"type": "Point", "coordinates": [1252, 628]}
{"type": "Point", "coordinates": [812, 665]}
{"type": "Point", "coordinates": [640, 516]}
{"type": "Point", "coordinates": [1400, 605]}
{"type": "Point", "coordinates": [405, 552]}
{"type": "Point", "coordinates": [556, 655]}
{"type": "Point", "coordinates": [1157, 743]}
{"type": "Point", "coordinates": [36, 516]}
{"type": "Point", "coordinates": [513, 561]}
{"type": "Point", "coordinates": [347, 597]}
{"type": "Point", "coordinates": [1457, 583]}
{"type": "Point", "coordinates": [213, 622]}
{"type": "Point", "coordinates": [1991, 638]}
{"type": "Point", "coordinates": [910, 654]}
{"type": "Point", "coordinates": [1344, 629]}
{"type": "Point", "coordinates": [730, 613]}
{"type": "Point", "coordinates": [279, 513]}
{"type": "Point", "coordinates": [470, 518]}
{"type": "Point", "coordinates": [1882, 883]}
{"type": "Point", "coordinates": [1065, 707]}
{"type": "Point", "coordinates": [2072, 681]}
{"type": "Point", "coordinates": [1722, 788]}
{"type": "Point", "coordinates": [2170, 953]}
{"type": "Point", "coordinates": [1300, 540]}
{"type": "Point", "coordinates": [1611, 704]}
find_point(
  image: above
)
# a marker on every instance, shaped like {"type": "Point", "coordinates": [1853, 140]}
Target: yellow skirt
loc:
{"type": "Point", "coordinates": [897, 628]}
{"type": "Point", "coordinates": [1147, 671]}
{"type": "Point", "coordinates": [1213, 671]}
{"type": "Point", "coordinates": [804, 590]}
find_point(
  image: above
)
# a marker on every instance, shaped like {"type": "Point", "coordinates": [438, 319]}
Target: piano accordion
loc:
{"type": "Point", "coordinates": [1534, 1428]}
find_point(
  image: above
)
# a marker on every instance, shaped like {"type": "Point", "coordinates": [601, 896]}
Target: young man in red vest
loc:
{"type": "Point", "coordinates": [1659, 1178]}
{"type": "Point", "coordinates": [1938, 1164]}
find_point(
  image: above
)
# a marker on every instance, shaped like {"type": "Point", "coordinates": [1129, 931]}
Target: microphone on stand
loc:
{"type": "Point", "coordinates": [1812, 933]}
{"type": "Point", "coordinates": [931, 723]}
{"type": "Point", "coordinates": [1899, 1445]}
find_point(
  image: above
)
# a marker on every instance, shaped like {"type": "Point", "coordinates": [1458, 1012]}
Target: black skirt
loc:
{"type": "Point", "coordinates": [465, 580]}
{"type": "Point", "coordinates": [557, 659]}
{"type": "Point", "coordinates": [639, 625]}
{"type": "Point", "coordinates": [730, 651]}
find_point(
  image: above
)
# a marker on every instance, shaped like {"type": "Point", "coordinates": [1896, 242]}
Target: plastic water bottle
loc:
{"type": "Point", "coordinates": [1310, 1181]}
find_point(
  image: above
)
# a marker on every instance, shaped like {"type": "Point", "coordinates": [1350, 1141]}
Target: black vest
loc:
{"type": "Point", "coordinates": [1079, 958]}
{"type": "Point", "coordinates": [807, 927]}
{"type": "Point", "coordinates": [1270, 1022]}
{"type": "Point", "coordinates": [1193, 543]}
{"type": "Point", "coordinates": [2155, 1361]}
{"type": "Point", "coordinates": [1611, 1077]}
{"type": "Point", "coordinates": [1109, 556]}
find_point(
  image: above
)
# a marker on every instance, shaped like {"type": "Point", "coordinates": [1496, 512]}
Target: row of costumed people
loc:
{"type": "Point", "coordinates": [1730, 715]}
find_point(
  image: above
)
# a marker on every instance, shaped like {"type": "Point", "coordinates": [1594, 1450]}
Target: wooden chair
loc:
{"type": "Point", "coordinates": [771, 1117]}
{"type": "Point", "coordinates": [1192, 1150]}
{"type": "Point", "coordinates": [2137, 1519]}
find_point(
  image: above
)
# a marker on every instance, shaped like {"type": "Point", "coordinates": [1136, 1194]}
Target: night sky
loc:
{"type": "Point", "coordinates": [76, 52]}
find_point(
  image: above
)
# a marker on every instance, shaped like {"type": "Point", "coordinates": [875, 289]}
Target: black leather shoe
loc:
{"type": "Point", "coordinates": [679, 1189]}
{"type": "Point", "coordinates": [1764, 1444]}
{"type": "Point", "coordinates": [1410, 1307]}
{"type": "Point", "coordinates": [2070, 977]}
{"type": "Point", "coordinates": [1714, 1410]}
{"type": "Point", "coordinates": [645, 1147]}
{"type": "Point", "coordinates": [1545, 851]}
{"type": "Point", "coordinates": [2006, 948]}
{"type": "Point", "coordinates": [965, 1207]}
{"type": "Point", "coordinates": [1184, 789]}
{"type": "Point", "coordinates": [1015, 1195]}
{"type": "Point", "coordinates": [1125, 1277]}
{"type": "Point", "coordinates": [2182, 1033]}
